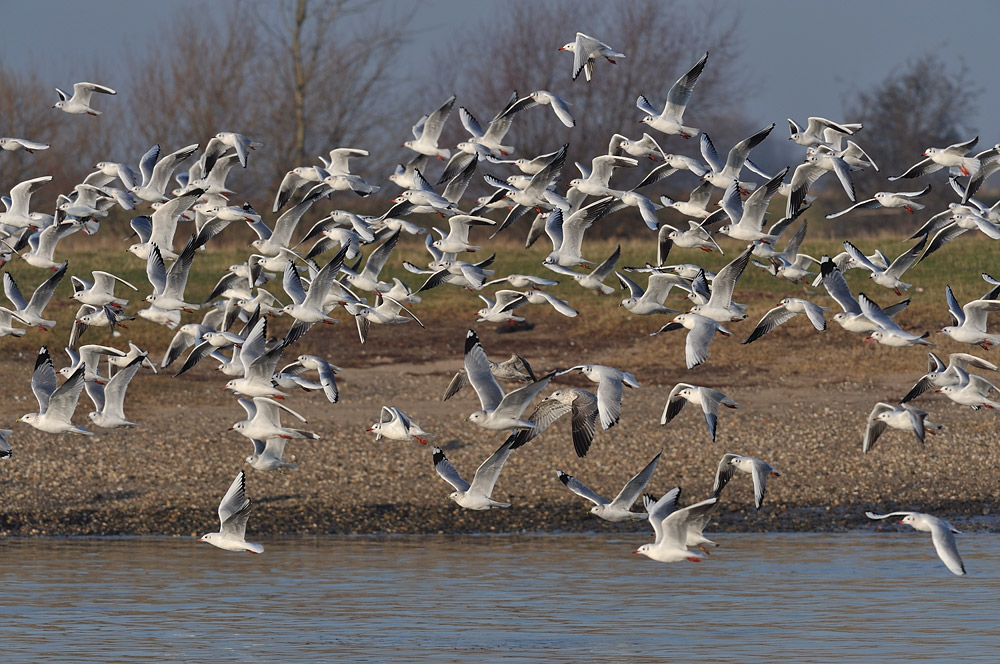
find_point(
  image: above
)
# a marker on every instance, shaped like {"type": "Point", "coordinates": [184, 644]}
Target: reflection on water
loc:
{"type": "Point", "coordinates": [561, 598]}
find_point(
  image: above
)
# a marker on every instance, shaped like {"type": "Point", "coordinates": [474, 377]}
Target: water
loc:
{"type": "Point", "coordinates": [797, 598]}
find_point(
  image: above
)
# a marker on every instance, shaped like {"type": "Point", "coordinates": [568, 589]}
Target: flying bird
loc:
{"type": "Point", "coordinates": [234, 510]}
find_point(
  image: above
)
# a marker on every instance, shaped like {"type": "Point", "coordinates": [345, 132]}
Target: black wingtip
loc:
{"type": "Point", "coordinates": [438, 456]}
{"type": "Point", "coordinates": [563, 477]}
{"type": "Point", "coordinates": [471, 340]}
{"type": "Point", "coordinates": [43, 357]}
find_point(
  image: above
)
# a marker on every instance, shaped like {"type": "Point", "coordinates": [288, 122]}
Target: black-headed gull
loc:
{"type": "Point", "coordinates": [224, 141]}
{"type": "Point", "coordinates": [593, 280]}
{"type": "Point", "coordinates": [952, 157]}
{"type": "Point", "coordinates": [582, 407]}
{"type": "Point", "coordinates": [942, 535]}
{"type": "Point", "coordinates": [586, 50]}
{"type": "Point", "coordinates": [748, 218]}
{"type": "Point", "coordinates": [7, 318]}
{"type": "Point", "coordinates": [670, 120]}
{"type": "Point", "coordinates": [456, 240]}
{"type": "Point", "coordinates": [787, 309]}
{"type": "Point", "coordinates": [813, 133]}
{"type": "Point", "coordinates": [891, 276]}
{"type": "Point", "coordinates": [169, 283]}
{"type": "Point", "coordinates": [387, 311]}
{"type": "Point", "coordinates": [648, 301]}
{"type": "Point", "coordinates": [970, 321]}
{"type": "Point", "coordinates": [311, 307]}
{"type": "Point", "coordinates": [723, 174]}
{"type": "Point", "coordinates": [851, 318]}
{"type": "Point", "coordinates": [368, 278]}
{"type": "Point", "coordinates": [156, 172]}
{"type": "Point", "coordinates": [617, 509]}
{"type": "Point", "coordinates": [543, 98]}
{"type": "Point", "coordinates": [566, 233]}
{"type": "Point", "coordinates": [610, 386]}
{"type": "Point", "coordinates": [101, 292]}
{"type": "Point", "coordinates": [719, 306]}
{"type": "Point", "coordinates": [394, 424]}
{"type": "Point", "coordinates": [904, 417]}
{"type": "Point", "coordinates": [258, 364]}
{"type": "Point", "coordinates": [759, 470]}
{"type": "Point", "coordinates": [327, 373]}
{"type": "Point", "coordinates": [888, 199]}
{"type": "Point", "coordinates": [957, 220]}
{"type": "Point", "coordinates": [499, 411]}
{"type": "Point", "coordinates": [234, 510]}
{"type": "Point", "coordinates": [709, 399]}
{"type": "Point", "coordinates": [515, 369]}
{"type": "Point", "coordinates": [697, 204]}
{"type": "Point", "coordinates": [18, 213]}
{"type": "Point", "coordinates": [889, 333]}
{"type": "Point", "coordinates": [12, 144]}
{"type": "Point", "coordinates": [269, 455]}
{"type": "Point", "coordinates": [264, 421]}
{"type": "Point", "coordinates": [427, 131]}
{"type": "Point", "coordinates": [109, 399]}
{"type": "Point", "coordinates": [56, 403]}
{"type": "Point", "coordinates": [808, 172]}
{"type": "Point", "coordinates": [940, 374]}
{"type": "Point", "coordinates": [30, 311]}
{"type": "Point", "coordinates": [644, 147]}
{"type": "Point", "coordinates": [971, 390]}
{"type": "Point", "coordinates": [160, 227]}
{"type": "Point", "coordinates": [476, 495]}
{"type": "Point", "coordinates": [671, 526]}
{"type": "Point", "coordinates": [701, 329]}
{"type": "Point", "coordinates": [79, 102]}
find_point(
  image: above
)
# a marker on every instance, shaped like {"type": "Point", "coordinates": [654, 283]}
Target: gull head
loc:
{"type": "Point", "coordinates": [571, 47]}
{"type": "Point", "coordinates": [644, 549]}
{"type": "Point", "coordinates": [478, 417]}
{"type": "Point", "coordinates": [209, 537]}
{"type": "Point", "coordinates": [29, 418]}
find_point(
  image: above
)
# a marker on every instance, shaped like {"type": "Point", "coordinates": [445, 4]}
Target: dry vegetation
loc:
{"type": "Point", "coordinates": [805, 397]}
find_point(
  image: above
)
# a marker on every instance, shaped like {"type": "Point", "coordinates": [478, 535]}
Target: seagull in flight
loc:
{"type": "Point", "coordinates": [79, 102]}
{"type": "Point", "coordinates": [586, 50]}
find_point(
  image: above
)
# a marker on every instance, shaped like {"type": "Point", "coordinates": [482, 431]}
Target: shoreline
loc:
{"type": "Point", "coordinates": [164, 479]}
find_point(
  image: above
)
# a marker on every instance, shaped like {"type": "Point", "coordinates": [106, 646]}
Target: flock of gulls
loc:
{"type": "Point", "coordinates": [323, 270]}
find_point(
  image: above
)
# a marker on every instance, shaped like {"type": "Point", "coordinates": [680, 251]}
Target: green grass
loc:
{"type": "Point", "coordinates": [958, 264]}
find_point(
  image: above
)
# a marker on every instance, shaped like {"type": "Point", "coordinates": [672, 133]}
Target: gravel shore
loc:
{"type": "Point", "coordinates": [167, 476]}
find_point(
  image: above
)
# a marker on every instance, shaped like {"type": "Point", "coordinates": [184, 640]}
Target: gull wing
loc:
{"type": "Point", "coordinates": [448, 472]}
{"type": "Point", "coordinates": [43, 379]}
{"type": "Point", "coordinates": [875, 428]}
{"type": "Point", "coordinates": [581, 489]}
{"type": "Point", "coordinates": [234, 510]}
{"type": "Point", "coordinates": [488, 472]}
{"type": "Point", "coordinates": [477, 369]}
{"type": "Point", "coordinates": [724, 473]}
{"type": "Point", "coordinates": [635, 486]}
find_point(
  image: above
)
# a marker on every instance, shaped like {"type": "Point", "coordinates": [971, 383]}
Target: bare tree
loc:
{"type": "Point", "coordinates": [76, 141]}
{"type": "Point", "coordinates": [919, 105]}
{"type": "Point", "coordinates": [660, 43]}
{"type": "Point", "coordinates": [330, 81]}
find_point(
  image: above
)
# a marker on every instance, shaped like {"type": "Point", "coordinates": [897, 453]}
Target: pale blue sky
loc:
{"type": "Point", "coordinates": [808, 56]}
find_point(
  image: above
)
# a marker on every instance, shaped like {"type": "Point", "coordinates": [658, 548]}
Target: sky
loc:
{"type": "Point", "coordinates": [807, 56]}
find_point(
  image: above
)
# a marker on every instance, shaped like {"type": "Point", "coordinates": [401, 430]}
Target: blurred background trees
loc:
{"type": "Point", "coordinates": [305, 76]}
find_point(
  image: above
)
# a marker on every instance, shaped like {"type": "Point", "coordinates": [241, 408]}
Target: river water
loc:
{"type": "Point", "coordinates": [794, 598]}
